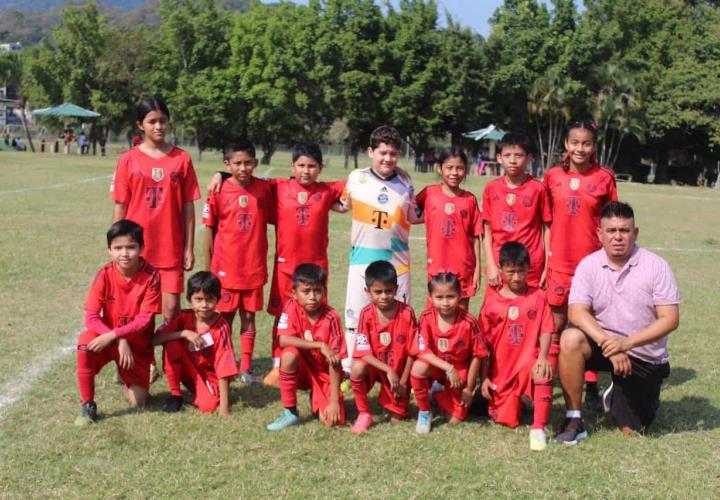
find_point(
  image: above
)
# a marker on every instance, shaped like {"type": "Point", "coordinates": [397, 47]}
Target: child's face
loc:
{"type": "Point", "coordinates": [515, 276]}
{"type": "Point", "coordinates": [384, 159]}
{"type": "Point", "coordinates": [154, 126]}
{"type": "Point", "coordinates": [382, 294]}
{"type": "Point", "coordinates": [452, 171]}
{"type": "Point", "coordinates": [306, 170]}
{"type": "Point", "coordinates": [202, 304]}
{"type": "Point", "coordinates": [241, 165]}
{"type": "Point", "coordinates": [514, 159]}
{"type": "Point", "coordinates": [309, 296]}
{"type": "Point", "coordinates": [445, 299]}
{"type": "Point", "coordinates": [580, 145]}
{"type": "Point", "coordinates": [125, 251]}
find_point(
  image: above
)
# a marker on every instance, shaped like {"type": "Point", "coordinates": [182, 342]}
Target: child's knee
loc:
{"type": "Point", "coordinates": [86, 337]}
{"type": "Point", "coordinates": [358, 369]}
{"type": "Point", "coordinates": [288, 360]}
{"type": "Point", "coordinates": [137, 396]}
{"type": "Point", "coordinates": [420, 367]}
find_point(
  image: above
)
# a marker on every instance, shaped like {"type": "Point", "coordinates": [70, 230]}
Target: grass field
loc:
{"type": "Point", "coordinates": [55, 211]}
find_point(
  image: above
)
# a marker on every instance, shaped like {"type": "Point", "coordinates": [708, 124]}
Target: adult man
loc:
{"type": "Point", "coordinates": [623, 305]}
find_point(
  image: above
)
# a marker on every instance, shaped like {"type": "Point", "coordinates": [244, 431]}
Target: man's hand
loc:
{"type": "Point", "coordinates": [331, 414]}
{"type": "Point", "coordinates": [466, 397]}
{"type": "Point", "coordinates": [330, 355]}
{"type": "Point", "coordinates": [612, 344]}
{"type": "Point", "coordinates": [453, 378]}
{"type": "Point", "coordinates": [214, 184]}
{"type": "Point", "coordinates": [101, 341]}
{"type": "Point", "coordinates": [542, 370]}
{"type": "Point", "coordinates": [126, 357]}
{"type": "Point", "coordinates": [621, 364]}
{"type": "Point", "coordinates": [493, 276]}
{"type": "Point", "coordinates": [486, 387]}
{"type": "Point", "coordinates": [193, 337]}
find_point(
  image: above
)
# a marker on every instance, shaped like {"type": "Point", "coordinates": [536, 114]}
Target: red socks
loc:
{"type": "Point", "coordinates": [172, 369]}
{"type": "Point", "coordinates": [288, 388]}
{"type": "Point", "coordinates": [361, 398]}
{"type": "Point", "coordinates": [421, 386]}
{"type": "Point", "coordinates": [591, 376]}
{"type": "Point", "coordinates": [86, 374]}
{"type": "Point", "coordinates": [247, 345]}
{"type": "Point", "coordinates": [542, 403]}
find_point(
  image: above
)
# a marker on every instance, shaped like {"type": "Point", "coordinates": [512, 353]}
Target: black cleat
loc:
{"type": "Point", "coordinates": [88, 414]}
{"type": "Point", "coordinates": [173, 404]}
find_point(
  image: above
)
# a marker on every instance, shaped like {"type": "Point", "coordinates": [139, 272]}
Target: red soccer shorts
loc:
{"type": "Point", "coordinates": [557, 287]}
{"type": "Point", "coordinates": [385, 397]}
{"type": "Point", "coordinates": [179, 368]}
{"type": "Point", "coordinates": [505, 404]}
{"type": "Point", "coordinates": [450, 400]}
{"type": "Point", "coordinates": [171, 279]}
{"type": "Point", "coordinates": [248, 300]}
{"type": "Point", "coordinates": [280, 291]}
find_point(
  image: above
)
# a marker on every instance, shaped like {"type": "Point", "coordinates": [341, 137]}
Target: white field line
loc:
{"type": "Point", "coordinates": [56, 186]}
{"type": "Point", "coordinates": [675, 196]}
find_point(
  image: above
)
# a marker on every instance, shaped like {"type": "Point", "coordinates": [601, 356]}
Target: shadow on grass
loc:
{"type": "Point", "coordinates": [679, 375]}
{"type": "Point", "coordinates": [690, 414]}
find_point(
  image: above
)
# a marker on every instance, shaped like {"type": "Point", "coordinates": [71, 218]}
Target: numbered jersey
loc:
{"type": "Point", "coordinates": [154, 191]}
{"type": "Point", "coordinates": [457, 346]}
{"type": "Point", "coordinates": [391, 342]}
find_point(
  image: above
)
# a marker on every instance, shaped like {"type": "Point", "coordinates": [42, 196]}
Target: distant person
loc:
{"type": "Point", "coordinates": [623, 305]}
{"type": "Point", "coordinates": [67, 140]}
{"type": "Point", "coordinates": [81, 142]}
{"type": "Point", "coordinates": [103, 143]}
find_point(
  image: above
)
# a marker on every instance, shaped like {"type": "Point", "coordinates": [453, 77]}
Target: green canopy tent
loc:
{"type": "Point", "coordinates": [66, 109]}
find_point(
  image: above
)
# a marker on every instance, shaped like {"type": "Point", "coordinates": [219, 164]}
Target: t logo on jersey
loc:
{"type": "Point", "coordinates": [157, 174]}
{"type": "Point", "coordinates": [572, 204]}
{"type": "Point", "coordinates": [380, 219]}
{"type": "Point", "coordinates": [153, 195]}
{"type": "Point", "coordinates": [509, 221]}
{"type": "Point", "coordinates": [515, 333]}
{"type": "Point", "coordinates": [244, 221]}
{"type": "Point", "coordinates": [302, 216]}
{"type": "Point", "coordinates": [448, 228]}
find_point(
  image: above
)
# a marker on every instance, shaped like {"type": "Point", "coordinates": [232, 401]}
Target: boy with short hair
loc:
{"type": "Point", "coordinates": [236, 244]}
{"type": "Point", "coordinates": [119, 316]}
{"type": "Point", "coordinates": [198, 350]}
{"type": "Point", "coordinates": [312, 346]}
{"type": "Point", "coordinates": [385, 333]}
{"type": "Point", "coordinates": [382, 204]}
{"type": "Point", "coordinates": [517, 325]}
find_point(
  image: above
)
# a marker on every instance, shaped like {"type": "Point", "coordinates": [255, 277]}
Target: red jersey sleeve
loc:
{"type": "Point", "coordinates": [96, 294]}
{"type": "Point", "coordinates": [119, 188]}
{"type": "Point", "coordinates": [486, 205]}
{"type": "Point", "coordinates": [289, 323]}
{"type": "Point", "coordinates": [172, 325]}
{"type": "Point", "coordinates": [272, 204]}
{"type": "Point", "coordinates": [190, 189]}
{"type": "Point", "coordinates": [209, 213]}
{"type": "Point", "coordinates": [477, 219]}
{"type": "Point", "coordinates": [421, 342]}
{"type": "Point", "coordinates": [363, 345]}
{"type": "Point", "coordinates": [420, 199]}
{"type": "Point", "coordinates": [224, 362]}
{"type": "Point", "coordinates": [479, 349]}
{"type": "Point", "coordinates": [547, 324]}
{"type": "Point", "coordinates": [545, 208]}
{"type": "Point", "coordinates": [152, 299]}
{"type": "Point", "coordinates": [336, 336]}
{"type": "Point", "coordinates": [337, 188]}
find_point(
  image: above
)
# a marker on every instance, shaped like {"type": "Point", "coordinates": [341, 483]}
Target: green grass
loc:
{"type": "Point", "coordinates": [51, 245]}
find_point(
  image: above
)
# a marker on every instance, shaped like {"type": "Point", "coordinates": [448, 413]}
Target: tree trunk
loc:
{"type": "Point", "coordinates": [22, 102]}
{"type": "Point", "coordinates": [268, 151]}
{"type": "Point", "coordinates": [661, 169]}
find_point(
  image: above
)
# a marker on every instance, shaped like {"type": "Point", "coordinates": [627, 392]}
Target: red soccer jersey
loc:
{"type": "Point", "coordinates": [456, 346]}
{"type": "Point", "coordinates": [119, 300]}
{"type": "Point", "coordinates": [452, 224]}
{"type": "Point", "coordinates": [327, 329]}
{"type": "Point", "coordinates": [390, 343]}
{"type": "Point", "coordinates": [512, 328]}
{"type": "Point", "coordinates": [154, 191]}
{"type": "Point", "coordinates": [517, 215]}
{"type": "Point", "coordinates": [302, 221]}
{"type": "Point", "coordinates": [239, 217]}
{"type": "Point", "coordinates": [218, 358]}
{"type": "Point", "coordinates": [576, 200]}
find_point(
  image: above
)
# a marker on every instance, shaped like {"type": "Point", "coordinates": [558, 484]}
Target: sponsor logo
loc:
{"type": "Point", "coordinates": [283, 322]}
{"type": "Point", "coordinates": [157, 174]}
{"type": "Point", "coordinates": [421, 342]}
{"type": "Point", "coordinates": [362, 342]}
{"type": "Point", "coordinates": [206, 211]}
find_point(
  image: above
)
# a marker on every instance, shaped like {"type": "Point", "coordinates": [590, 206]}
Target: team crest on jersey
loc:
{"type": "Point", "coordinates": [574, 183]}
{"type": "Point", "coordinates": [591, 188]}
{"type": "Point", "coordinates": [526, 201]}
{"type": "Point", "coordinates": [532, 314]}
{"type": "Point", "coordinates": [443, 345]}
{"type": "Point", "coordinates": [157, 174]}
{"type": "Point", "coordinates": [400, 339]}
{"type": "Point", "coordinates": [362, 178]}
{"type": "Point", "coordinates": [302, 197]}
{"type": "Point", "coordinates": [449, 208]}
{"type": "Point", "coordinates": [383, 198]}
{"type": "Point", "coordinates": [308, 336]}
{"type": "Point", "coordinates": [463, 213]}
{"type": "Point", "coordinates": [385, 338]}
{"type": "Point", "coordinates": [513, 312]}
{"type": "Point", "coordinates": [243, 201]}
{"type": "Point", "coordinates": [510, 199]}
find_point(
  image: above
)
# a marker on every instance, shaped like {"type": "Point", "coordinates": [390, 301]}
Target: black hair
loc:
{"type": "Point", "coordinates": [515, 139]}
{"type": "Point", "coordinates": [126, 227]}
{"type": "Point", "coordinates": [380, 271]}
{"type": "Point", "coordinates": [152, 103]}
{"type": "Point", "coordinates": [617, 209]}
{"type": "Point", "coordinates": [237, 145]}
{"type": "Point", "coordinates": [586, 124]}
{"type": "Point", "coordinates": [444, 279]}
{"type": "Point", "coordinates": [385, 134]}
{"type": "Point", "coordinates": [309, 274]}
{"type": "Point", "coordinates": [205, 282]}
{"type": "Point", "coordinates": [309, 149]}
{"type": "Point", "coordinates": [514, 253]}
{"type": "Point", "coordinates": [452, 152]}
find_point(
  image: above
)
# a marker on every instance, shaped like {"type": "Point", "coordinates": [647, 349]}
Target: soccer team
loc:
{"type": "Point", "coordinates": [534, 235]}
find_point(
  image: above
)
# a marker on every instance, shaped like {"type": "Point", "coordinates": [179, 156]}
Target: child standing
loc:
{"type": "Point", "coordinates": [119, 316]}
{"type": "Point", "coordinates": [448, 349]}
{"type": "Point", "coordinates": [236, 244]}
{"type": "Point", "coordinates": [312, 343]}
{"type": "Point", "coordinates": [515, 208]}
{"type": "Point", "coordinates": [155, 185]}
{"type": "Point", "coordinates": [198, 350]}
{"type": "Point", "coordinates": [385, 333]}
{"type": "Point", "coordinates": [454, 224]}
{"type": "Point", "coordinates": [517, 324]}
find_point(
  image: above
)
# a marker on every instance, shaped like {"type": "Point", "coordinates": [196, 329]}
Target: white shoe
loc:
{"type": "Point", "coordinates": [538, 439]}
{"type": "Point", "coordinates": [423, 422]}
{"type": "Point", "coordinates": [247, 377]}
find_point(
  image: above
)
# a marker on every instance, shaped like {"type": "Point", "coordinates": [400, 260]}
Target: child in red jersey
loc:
{"type": "Point", "coordinates": [517, 324]}
{"type": "Point", "coordinates": [453, 223]}
{"type": "Point", "coordinates": [448, 349]}
{"type": "Point", "coordinates": [119, 315]}
{"type": "Point", "coordinates": [198, 350]}
{"type": "Point", "coordinates": [155, 185]}
{"type": "Point", "coordinates": [236, 244]}
{"type": "Point", "coordinates": [577, 189]}
{"type": "Point", "coordinates": [386, 329]}
{"type": "Point", "coordinates": [515, 208]}
{"type": "Point", "coordinates": [313, 344]}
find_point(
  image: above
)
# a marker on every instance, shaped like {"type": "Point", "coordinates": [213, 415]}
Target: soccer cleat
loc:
{"type": "Point", "coordinates": [362, 424]}
{"type": "Point", "coordinates": [593, 402]}
{"type": "Point", "coordinates": [247, 377]}
{"type": "Point", "coordinates": [173, 404]}
{"type": "Point", "coordinates": [273, 377]}
{"type": "Point", "coordinates": [423, 422]}
{"type": "Point", "coordinates": [88, 414]}
{"type": "Point", "coordinates": [286, 419]}
{"type": "Point", "coordinates": [573, 431]}
{"type": "Point", "coordinates": [538, 439]}
{"type": "Point", "coordinates": [607, 398]}
{"type": "Point", "coordinates": [345, 385]}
